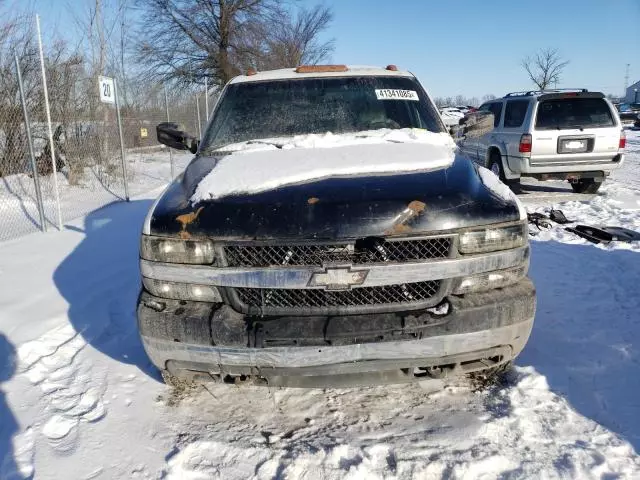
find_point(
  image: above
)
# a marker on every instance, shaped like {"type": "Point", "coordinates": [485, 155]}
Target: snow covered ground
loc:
{"type": "Point", "coordinates": [78, 398]}
{"type": "Point", "coordinates": [19, 209]}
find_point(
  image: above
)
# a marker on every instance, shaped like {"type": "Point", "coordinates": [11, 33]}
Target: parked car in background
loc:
{"type": "Point", "coordinates": [628, 112]}
{"type": "Point", "coordinates": [573, 135]}
{"type": "Point", "coordinates": [451, 116]}
{"type": "Point", "coordinates": [388, 257]}
{"type": "Point", "coordinates": [466, 109]}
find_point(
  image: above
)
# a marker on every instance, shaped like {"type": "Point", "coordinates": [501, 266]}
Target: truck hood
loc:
{"type": "Point", "coordinates": [260, 165]}
{"type": "Point", "coordinates": [344, 207]}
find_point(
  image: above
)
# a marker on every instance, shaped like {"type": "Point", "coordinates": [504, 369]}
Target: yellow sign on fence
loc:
{"type": "Point", "coordinates": [144, 133]}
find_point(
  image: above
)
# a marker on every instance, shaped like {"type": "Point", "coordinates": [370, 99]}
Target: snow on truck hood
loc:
{"type": "Point", "coordinates": [263, 165]}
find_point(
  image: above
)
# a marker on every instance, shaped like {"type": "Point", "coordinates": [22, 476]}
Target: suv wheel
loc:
{"type": "Point", "coordinates": [495, 165]}
{"type": "Point", "coordinates": [586, 185]}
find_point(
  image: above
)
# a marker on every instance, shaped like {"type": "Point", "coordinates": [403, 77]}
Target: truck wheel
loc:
{"type": "Point", "coordinates": [586, 185]}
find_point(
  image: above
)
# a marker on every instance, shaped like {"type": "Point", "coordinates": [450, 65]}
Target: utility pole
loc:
{"type": "Point", "coordinates": [626, 81]}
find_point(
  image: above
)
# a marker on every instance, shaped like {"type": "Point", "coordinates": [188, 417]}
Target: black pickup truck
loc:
{"type": "Point", "coordinates": [327, 233]}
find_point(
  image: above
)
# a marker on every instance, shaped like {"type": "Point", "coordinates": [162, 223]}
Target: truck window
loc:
{"type": "Point", "coordinates": [283, 108]}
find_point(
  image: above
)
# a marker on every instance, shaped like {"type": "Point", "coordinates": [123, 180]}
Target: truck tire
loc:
{"type": "Point", "coordinates": [586, 185]}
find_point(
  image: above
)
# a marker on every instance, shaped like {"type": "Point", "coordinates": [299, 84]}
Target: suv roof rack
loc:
{"type": "Point", "coordinates": [530, 93]}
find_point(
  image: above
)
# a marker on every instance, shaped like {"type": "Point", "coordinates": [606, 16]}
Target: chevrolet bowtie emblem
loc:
{"type": "Point", "coordinates": [338, 278]}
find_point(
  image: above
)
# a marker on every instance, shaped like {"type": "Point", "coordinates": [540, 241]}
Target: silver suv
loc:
{"type": "Point", "coordinates": [573, 135]}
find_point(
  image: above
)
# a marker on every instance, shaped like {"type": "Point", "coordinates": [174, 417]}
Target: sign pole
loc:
{"type": "Point", "coordinates": [124, 160]}
{"type": "Point", "coordinates": [198, 115]}
{"type": "Point", "coordinates": [206, 99]}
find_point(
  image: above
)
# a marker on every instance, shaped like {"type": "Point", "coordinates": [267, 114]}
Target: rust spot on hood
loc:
{"type": "Point", "coordinates": [186, 219]}
{"type": "Point", "coordinates": [399, 225]}
{"type": "Point", "coordinates": [417, 206]}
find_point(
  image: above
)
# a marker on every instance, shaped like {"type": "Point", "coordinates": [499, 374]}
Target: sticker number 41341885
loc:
{"type": "Point", "coordinates": [394, 94]}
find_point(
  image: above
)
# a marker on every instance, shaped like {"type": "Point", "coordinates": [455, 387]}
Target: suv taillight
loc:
{"type": "Point", "coordinates": [623, 140]}
{"type": "Point", "coordinates": [525, 143]}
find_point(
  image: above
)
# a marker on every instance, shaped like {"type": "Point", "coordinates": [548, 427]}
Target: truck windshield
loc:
{"type": "Point", "coordinates": [570, 113]}
{"type": "Point", "coordinates": [283, 108]}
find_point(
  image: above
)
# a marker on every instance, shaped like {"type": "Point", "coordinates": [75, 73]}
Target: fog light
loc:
{"type": "Point", "coordinates": [490, 280]}
{"type": "Point", "coordinates": [182, 291]}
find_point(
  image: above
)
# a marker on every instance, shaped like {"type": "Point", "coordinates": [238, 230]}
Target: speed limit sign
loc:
{"type": "Point", "coordinates": [107, 90]}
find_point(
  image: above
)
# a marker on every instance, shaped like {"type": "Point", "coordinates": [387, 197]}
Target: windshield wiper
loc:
{"type": "Point", "coordinates": [265, 142]}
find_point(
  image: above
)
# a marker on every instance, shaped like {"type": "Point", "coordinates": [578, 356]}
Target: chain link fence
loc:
{"type": "Point", "coordinates": [74, 164]}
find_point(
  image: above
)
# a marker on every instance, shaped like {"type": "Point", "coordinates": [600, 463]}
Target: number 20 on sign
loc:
{"type": "Point", "coordinates": [107, 91]}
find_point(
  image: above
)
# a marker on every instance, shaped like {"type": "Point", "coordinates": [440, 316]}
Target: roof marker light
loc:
{"type": "Point", "coordinates": [251, 72]}
{"type": "Point", "coordinates": [391, 68]}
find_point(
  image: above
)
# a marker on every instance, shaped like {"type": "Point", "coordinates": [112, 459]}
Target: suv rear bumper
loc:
{"type": "Point", "coordinates": [563, 164]}
{"type": "Point", "coordinates": [214, 342]}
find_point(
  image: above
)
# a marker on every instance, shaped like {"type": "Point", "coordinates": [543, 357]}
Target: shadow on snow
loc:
{"type": "Point", "coordinates": [100, 280]}
{"type": "Point", "coordinates": [8, 424]}
{"type": "Point", "coordinates": [586, 331]}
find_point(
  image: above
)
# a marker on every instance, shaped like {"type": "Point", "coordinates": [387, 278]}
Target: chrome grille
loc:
{"type": "Point", "coordinates": [269, 298]}
{"type": "Point", "coordinates": [358, 253]}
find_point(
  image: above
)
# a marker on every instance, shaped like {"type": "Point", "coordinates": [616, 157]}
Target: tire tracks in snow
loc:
{"type": "Point", "coordinates": [517, 430]}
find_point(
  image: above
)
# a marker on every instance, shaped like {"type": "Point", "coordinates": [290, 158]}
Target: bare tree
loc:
{"type": "Point", "coordinates": [291, 40]}
{"type": "Point", "coordinates": [487, 97]}
{"type": "Point", "coordinates": [190, 39]}
{"type": "Point", "coordinates": [16, 39]}
{"type": "Point", "coordinates": [545, 67]}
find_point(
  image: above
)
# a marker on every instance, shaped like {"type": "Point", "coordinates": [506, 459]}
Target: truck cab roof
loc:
{"type": "Point", "coordinates": [316, 71]}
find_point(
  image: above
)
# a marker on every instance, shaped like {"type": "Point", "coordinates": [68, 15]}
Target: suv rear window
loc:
{"type": "Point", "coordinates": [565, 113]}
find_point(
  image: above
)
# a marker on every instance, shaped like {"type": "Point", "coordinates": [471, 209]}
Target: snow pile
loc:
{"type": "Point", "coordinates": [493, 183]}
{"type": "Point", "coordinates": [260, 166]}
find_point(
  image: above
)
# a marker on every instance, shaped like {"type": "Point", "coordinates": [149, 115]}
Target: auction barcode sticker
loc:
{"type": "Point", "coordinates": [393, 94]}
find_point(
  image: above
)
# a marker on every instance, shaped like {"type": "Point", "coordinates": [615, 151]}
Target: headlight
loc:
{"type": "Point", "coordinates": [493, 239]}
{"type": "Point", "coordinates": [490, 280]}
{"type": "Point", "coordinates": [182, 291]}
{"type": "Point", "coordinates": [175, 250]}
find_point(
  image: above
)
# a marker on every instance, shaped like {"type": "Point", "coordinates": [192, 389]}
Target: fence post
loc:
{"type": "Point", "coordinates": [198, 115]}
{"type": "Point", "coordinates": [36, 180]}
{"type": "Point", "coordinates": [206, 100]}
{"type": "Point", "coordinates": [166, 104]}
{"type": "Point", "coordinates": [48, 112]}
{"type": "Point", "coordinates": [124, 160]}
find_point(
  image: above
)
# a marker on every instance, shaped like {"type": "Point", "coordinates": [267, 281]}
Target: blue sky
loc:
{"type": "Point", "coordinates": [463, 46]}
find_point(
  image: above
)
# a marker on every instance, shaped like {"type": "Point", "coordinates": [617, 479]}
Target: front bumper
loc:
{"type": "Point", "coordinates": [215, 342]}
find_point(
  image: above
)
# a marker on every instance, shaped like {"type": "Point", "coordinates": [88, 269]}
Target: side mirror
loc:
{"type": "Point", "coordinates": [169, 134]}
{"type": "Point", "coordinates": [463, 120]}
